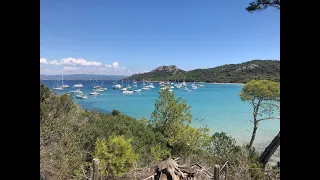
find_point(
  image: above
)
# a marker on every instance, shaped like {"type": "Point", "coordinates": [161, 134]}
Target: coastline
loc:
{"type": "Point", "coordinates": [226, 83]}
{"type": "Point", "coordinates": [202, 82]}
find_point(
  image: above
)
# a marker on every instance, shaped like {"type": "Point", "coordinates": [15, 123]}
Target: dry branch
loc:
{"type": "Point", "coordinates": [170, 169]}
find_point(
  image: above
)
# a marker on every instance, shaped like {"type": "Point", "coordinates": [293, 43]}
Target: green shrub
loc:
{"type": "Point", "coordinates": [116, 156]}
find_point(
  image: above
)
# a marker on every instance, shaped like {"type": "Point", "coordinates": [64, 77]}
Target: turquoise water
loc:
{"type": "Point", "coordinates": [216, 106]}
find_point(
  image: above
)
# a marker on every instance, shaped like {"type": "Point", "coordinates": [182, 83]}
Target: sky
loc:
{"type": "Point", "coordinates": [124, 37]}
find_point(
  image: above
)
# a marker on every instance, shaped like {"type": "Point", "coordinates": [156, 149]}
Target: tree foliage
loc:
{"type": "Point", "coordinates": [259, 5]}
{"type": "Point", "coordinates": [222, 146]}
{"type": "Point", "coordinates": [116, 156]}
{"type": "Point", "coordinates": [172, 117]}
{"type": "Point", "coordinates": [260, 90]}
{"type": "Point", "coordinates": [115, 112]}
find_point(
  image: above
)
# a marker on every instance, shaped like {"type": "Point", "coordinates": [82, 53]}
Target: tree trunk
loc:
{"type": "Point", "coordinates": [255, 121]}
{"type": "Point", "coordinates": [255, 127]}
{"type": "Point", "coordinates": [268, 152]}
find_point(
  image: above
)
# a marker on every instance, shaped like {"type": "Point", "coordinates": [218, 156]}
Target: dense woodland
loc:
{"type": "Point", "coordinates": [229, 73]}
{"type": "Point", "coordinates": [71, 137]}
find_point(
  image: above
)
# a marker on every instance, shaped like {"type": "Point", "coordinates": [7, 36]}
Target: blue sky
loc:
{"type": "Point", "coordinates": [121, 37]}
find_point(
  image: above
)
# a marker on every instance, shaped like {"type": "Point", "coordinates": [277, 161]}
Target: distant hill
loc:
{"type": "Point", "coordinates": [229, 73]}
{"type": "Point", "coordinates": [82, 77]}
{"type": "Point", "coordinates": [158, 74]}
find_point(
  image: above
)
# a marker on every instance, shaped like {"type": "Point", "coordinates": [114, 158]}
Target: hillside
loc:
{"type": "Point", "coordinates": [158, 74]}
{"type": "Point", "coordinates": [229, 73]}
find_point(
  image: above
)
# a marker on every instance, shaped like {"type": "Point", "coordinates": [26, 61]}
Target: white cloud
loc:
{"type": "Point", "coordinates": [54, 62]}
{"type": "Point", "coordinates": [80, 62]}
{"type": "Point", "coordinates": [67, 68]}
{"type": "Point", "coordinates": [75, 62]}
{"type": "Point", "coordinates": [43, 61]}
{"type": "Point", "coordinates": [115, 65]}
{"type": "Point", "coordinates": [80, 66]}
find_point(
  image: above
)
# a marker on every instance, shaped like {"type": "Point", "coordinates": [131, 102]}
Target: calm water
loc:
{"type": "Point", "coordinates": [216, 106]}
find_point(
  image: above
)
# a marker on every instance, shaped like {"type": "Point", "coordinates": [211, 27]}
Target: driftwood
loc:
{"type": "Point", "coordinates": [171, 170]}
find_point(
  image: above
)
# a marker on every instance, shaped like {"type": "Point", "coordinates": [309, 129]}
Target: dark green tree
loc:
{"type": "Point", "coordinates": [259, 5]}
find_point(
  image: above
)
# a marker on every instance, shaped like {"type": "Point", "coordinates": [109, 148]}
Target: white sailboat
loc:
{"type": "Point", "coordinates": [64, 85]}
{"type": "Point", "coordinates": [94, 93]}
{"type": "Point", "coordinates": [123, 89]}
{"type": "Point", "coordinates": [79, 85]}
{"type": "Point", "coordinates": [81, 96]}
{"type": "Point", "coordinates": [116, 86]}
{"type": "Point", "coordinates": [128, 85]}
{"type": "Point", "coordinates": [134, 83]}
{"type": "Point", "coordinates": [102, 88]}
{"type": "Point", "coordinates": [57, 86]}
{"type": "Point", "coordinates": [184, 82]}
{"type": "Point", "coordinates": [201, 85]}
{"type": "Point", "coordinates": [193, 86]}
{"type": "Point", "coordinates": [127, 92]}
{"type": "Point", "coordinates": [151, 86]}
{"type": "Point", "coordinates": [77, 91]}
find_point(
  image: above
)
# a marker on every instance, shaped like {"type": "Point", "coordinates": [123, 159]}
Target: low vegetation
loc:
{"type": "Point", "coordinates": [71, 137]}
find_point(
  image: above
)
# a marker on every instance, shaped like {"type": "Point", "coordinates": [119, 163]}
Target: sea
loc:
{"type": "Point", "coordinates": [216, 106]}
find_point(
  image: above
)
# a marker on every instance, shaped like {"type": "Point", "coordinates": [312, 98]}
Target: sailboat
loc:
{"type": "Point", "coordinates": [127, 92]}
{"type": "Point", "coordinates": [143, 83]}
{"type": "Point", "coordinates": [64, 85]}
{"type": "Point", "coordinates": [193, 86]}
{"type": "Point", "coordinates": [94, 92]}
{"type": "Point", "coordinates": [103, 87]}
{"type": "Point", "coordinates": [57, 86]}
{"type": "Point", "coordinates": [116, 85]}
{"type": "Point", "coordinates": [81, 96]}
{"type": "Point", "coordinates": [77, 91]}
{"type": "Point", "coordinates": [184, 82]}
{"type": "Point", "coordinates": [145, 87]}
{"type": "Point", "coordinates": [79, 85]}
{"type": "Point", "coordinates": [134, 83]}
{"type": "Point", "coordinates": [123, 89]}
{"type": "Point", "coordinates": [99, 88]}
{"type": "Point", "coordinates": [186, 89]}
{"type": "Point", "coordinates": [128, 86]}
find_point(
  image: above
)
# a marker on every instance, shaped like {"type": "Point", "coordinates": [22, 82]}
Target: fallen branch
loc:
{"type": "Point", "coordinates": [223, 166]}
{"type": "Point", "coordinates": [150, 176]}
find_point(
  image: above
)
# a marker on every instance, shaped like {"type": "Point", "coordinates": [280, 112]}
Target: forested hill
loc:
{"type": "Point", "coordinates": [159, 74]}
{"type": "Point", "coordinates": [229, 73]}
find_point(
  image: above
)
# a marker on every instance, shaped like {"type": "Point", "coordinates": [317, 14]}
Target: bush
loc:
{"type": "Point", "coordinates": [116, 156]}
{"type": "Point", "coordinates": [115, 112]}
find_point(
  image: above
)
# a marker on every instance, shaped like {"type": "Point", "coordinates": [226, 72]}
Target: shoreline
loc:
{"type": "Point", "coordinates": [226, 83]}
{"type": "Point", "coordinates": [201, 82]}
